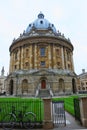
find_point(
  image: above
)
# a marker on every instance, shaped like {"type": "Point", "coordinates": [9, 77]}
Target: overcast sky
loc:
{"type": "Point", "coordinates": [68, 16]}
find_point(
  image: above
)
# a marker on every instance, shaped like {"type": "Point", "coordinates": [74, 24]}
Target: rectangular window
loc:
{"type": "Point", "coordinates": [42, 63]}
{"type": "Point", "coordinates": [42, 51]}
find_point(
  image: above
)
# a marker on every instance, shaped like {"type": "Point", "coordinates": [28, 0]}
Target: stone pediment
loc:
{"type": "Point", "coordinates": [43, 72]}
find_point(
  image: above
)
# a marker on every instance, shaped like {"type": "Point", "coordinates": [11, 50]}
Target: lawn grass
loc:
{"type": "Point", "coordinates": [68, 102]}
{"type": "Point", "coordinates": [34, 105]}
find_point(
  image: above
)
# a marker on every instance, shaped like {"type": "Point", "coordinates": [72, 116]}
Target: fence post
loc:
{"type": "Point", "coordinates": [47, 123]}
{"type": "Point", "coordinates": [83, 110]}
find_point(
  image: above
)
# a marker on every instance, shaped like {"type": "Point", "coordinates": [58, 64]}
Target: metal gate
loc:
{"type": "Point", "coordinates": [23, 106]}
{"type": "Point", "coordinates": [77, 109]}
{"type": "Point", "coordinates": [58, 113]}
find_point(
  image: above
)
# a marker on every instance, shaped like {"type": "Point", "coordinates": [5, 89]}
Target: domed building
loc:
{"type": "Point", "coordinates": [41, 62]}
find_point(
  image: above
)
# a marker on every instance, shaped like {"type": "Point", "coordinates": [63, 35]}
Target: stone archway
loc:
{"type": "Point", "coordinates": [73, 85]}
{"type": "Point", "coordinates": [61, 85]}
{"type": "Point", "coordinates": [25, 87]}
{"type": "Point", "coordinates": [11, 87]}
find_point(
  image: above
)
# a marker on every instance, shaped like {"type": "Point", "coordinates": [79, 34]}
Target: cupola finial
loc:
{"type": "Point", "coordinates": [40, 15]}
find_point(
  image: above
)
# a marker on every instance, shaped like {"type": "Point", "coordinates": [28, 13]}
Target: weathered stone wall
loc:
{"type": "Point", "coordinates": [58, 84]}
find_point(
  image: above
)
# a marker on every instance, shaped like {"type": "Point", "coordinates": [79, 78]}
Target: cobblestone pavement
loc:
{"type": "Point", "coordinates": [71, 124]}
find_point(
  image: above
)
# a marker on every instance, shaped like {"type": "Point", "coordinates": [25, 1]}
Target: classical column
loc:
{"type": "Point", "coordinates": [65, 59]}
{"type": "Point", "coordinates": [54, 57]}
{"type": "Point", "coordinates": [22, 58]}
{"type": "Point", "coordinates": [72, 61]}
{"type": "Point", "coordinates": [30, 56]}
{"type": "Point", "coordinates": [19, 58]}
{"type": "Point", "coordinates": [35, 57]}
{"type": "Point", "coordinates": [13, 61]}
{"type": "Point", "coordinates": [62, 54]}
{"type": "Point", "coordinates": [49, 56]}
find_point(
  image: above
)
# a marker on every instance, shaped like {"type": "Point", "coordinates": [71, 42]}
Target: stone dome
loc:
{"type": "Point", "coordinates": [41, 61]}
{"type": "Point", "coordinates": [41, 24]}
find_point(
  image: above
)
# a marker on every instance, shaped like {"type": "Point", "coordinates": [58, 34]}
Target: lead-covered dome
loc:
{"type": "Point", "coordinates": [40, 24]}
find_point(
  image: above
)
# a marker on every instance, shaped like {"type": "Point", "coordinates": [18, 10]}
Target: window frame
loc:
{"type": "Point", "coordinates": [42, 51]}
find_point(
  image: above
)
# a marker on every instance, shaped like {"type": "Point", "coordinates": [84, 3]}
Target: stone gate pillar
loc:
{"type": "Point", "coordinates": [83, 110]}
{"type": "Point", "coordinates": [47, 123]}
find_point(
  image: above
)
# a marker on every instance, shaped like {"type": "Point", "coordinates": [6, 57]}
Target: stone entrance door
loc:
{"type": "Point", "coordinates": [43, 84]}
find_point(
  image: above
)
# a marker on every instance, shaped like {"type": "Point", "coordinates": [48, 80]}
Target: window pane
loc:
{"type": "Point", "coordinates": [42, 51]}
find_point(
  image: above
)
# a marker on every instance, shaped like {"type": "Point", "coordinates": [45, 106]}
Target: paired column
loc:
{"type": "Point", "coordinates": [54, 57]}
{"type": "Point", "coordinates": [22, 58]}
{"type": "Point", "coordinates": [62, 54]}
{"type": "Point", "coordinates": [35, 57]}
{"type": "Point", "coordinates": [72, 61]}
{"type": "Point", "coordinates": [31, 56]}
{"type": "Point", "coordinates": [49, 56]}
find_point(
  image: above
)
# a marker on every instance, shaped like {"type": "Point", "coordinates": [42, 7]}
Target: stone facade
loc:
{"type": "Point", "coordinates": [82, 82]}
{"type": "Point", "coordinates": [26, 54]}
{"type": "Point", "coordinates": [41, 60]}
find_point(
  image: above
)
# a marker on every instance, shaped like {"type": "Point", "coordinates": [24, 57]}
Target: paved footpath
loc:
{"type": "Point", "coordinates": [71, 124]}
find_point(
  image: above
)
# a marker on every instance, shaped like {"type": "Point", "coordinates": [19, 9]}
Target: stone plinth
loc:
{"type": "Point", "coordinates": [83, 110]}
{"type": "Point", "coordinates": [47, 123]}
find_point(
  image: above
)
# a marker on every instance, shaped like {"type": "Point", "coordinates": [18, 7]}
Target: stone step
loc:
{"type": "Point", "coordinates": [44, 93]}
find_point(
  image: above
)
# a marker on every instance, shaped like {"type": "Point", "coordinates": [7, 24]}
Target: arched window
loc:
{"type": "Point", "coordinates": [24, 86]}
{"type": "Point", "coordinates": [61, 85]}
